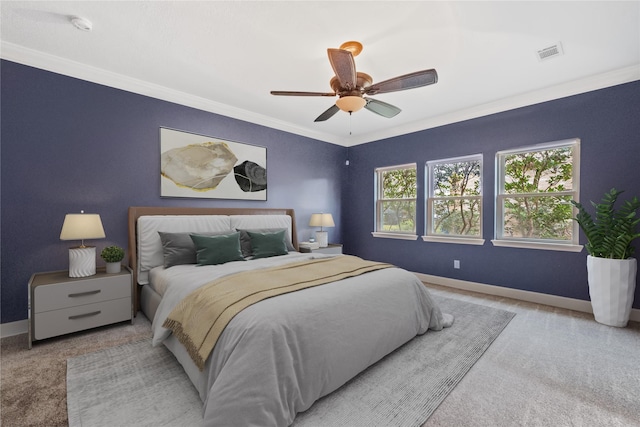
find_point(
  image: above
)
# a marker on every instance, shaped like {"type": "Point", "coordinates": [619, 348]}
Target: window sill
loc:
{"type": "Point", "coordinates": [400, 236]}
{"type": "Point", "coordinates": [537, 245]}
{"type": "Point", "coordinates": [458, 240]}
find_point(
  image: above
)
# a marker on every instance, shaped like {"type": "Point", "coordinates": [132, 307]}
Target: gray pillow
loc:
{"type": "Point", "coordinates": [179, 249]}
{"type": "Point", "coordinates": [245, 239]}
{"type": "Point", "coordinates": [213, 250]}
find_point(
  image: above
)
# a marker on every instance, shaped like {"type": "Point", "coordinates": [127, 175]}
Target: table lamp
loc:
{"type": "Point", "coordinates": [82, 259]}
{"type": "Point", "coordinates": [321, 220]}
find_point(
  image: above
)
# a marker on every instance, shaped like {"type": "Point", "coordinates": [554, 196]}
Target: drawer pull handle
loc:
{"type": "Point", "coordinates": [80, 316]}
{"type": "Point", "coordinates": [82, 294]}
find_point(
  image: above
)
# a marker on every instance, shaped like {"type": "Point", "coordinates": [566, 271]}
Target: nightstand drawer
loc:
{"type": "Point", "coordinates": [59, 322]}
{"type": "Point", "coordinates": [81, 292]}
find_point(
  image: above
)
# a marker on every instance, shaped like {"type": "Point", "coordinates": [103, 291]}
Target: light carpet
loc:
{"type": "Point", "coordinates": [139, 385]}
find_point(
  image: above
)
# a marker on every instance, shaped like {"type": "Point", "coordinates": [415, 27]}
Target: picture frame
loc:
{"type": "Point", "coordinates": [200, 166]}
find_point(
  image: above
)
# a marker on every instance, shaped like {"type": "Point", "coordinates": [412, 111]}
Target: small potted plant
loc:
{"type": "Point", "coordinates": [112, 255]}
{"type": "Point", "coordinates": [610, 267]}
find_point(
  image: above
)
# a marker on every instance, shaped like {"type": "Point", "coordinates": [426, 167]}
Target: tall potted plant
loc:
{"type": "Point", "coordinates": [611, 269]}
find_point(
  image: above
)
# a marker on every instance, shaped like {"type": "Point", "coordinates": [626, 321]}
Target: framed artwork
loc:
{"type": "Point", "coordinates": [193, 165]}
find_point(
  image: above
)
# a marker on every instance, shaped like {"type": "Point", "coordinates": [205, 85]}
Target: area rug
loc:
{"type": "Point", "coordinates": [139, 385]}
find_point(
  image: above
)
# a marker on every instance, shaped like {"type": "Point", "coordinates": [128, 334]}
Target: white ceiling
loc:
{"type": "Point", "coordinates": [225, 56]}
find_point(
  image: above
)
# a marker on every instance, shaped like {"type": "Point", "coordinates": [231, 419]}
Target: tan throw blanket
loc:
{"type": "Point", "coordinates": [199, 319]}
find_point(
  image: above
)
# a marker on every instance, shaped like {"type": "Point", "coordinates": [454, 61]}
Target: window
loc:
{"type": "Point", "coordinates": [396, 190]}
{"type": "Point", "coordinates": [534, 188]}
{"type": "Point", "coordinates": [454, 200]}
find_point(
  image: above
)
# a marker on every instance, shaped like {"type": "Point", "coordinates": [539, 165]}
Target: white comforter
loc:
{"type": "Point", "coordinates": [278, 356]}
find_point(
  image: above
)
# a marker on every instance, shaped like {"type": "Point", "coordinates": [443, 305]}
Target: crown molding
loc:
{"type": "Point", "coordinates": [48, 62]}
{"type": "Point", "coordinates": [56, 64]}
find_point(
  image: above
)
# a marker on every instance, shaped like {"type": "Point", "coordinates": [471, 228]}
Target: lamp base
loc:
{"type": "Point", "coordinates": [322, 237]}
{"type": "Point", "coordinates": [82, 261]}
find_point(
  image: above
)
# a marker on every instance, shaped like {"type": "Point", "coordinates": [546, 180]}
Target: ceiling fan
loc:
{"type": "Point", "coordinates": [352, 86]}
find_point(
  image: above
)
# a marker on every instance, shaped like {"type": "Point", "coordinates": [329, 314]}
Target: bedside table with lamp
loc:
{"type": "Point", "coordinates": [62, 302]}
{"type": "Point", "coordinates": [321, 244]}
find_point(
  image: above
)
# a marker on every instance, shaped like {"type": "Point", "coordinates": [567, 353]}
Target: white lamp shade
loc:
{"type": "Point", "coordinates": [321, 220]}
{"type": "Point", "coordinates": [82, 226]}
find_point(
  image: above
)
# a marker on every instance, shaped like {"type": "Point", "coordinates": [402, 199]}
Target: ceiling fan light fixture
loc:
{"type": "Point", "coordinates": [351, 104]}
{"type": "Point", "coordinates": [353, 87]}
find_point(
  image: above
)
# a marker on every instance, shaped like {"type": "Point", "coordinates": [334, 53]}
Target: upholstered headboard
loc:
{"type": "Point", "coordinates": [145, 250]}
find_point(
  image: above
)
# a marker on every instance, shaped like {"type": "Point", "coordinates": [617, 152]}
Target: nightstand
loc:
{"type": "Point", "coordinates": [59, 304]}
{"type": "Point", "coordinates": [333, 248]}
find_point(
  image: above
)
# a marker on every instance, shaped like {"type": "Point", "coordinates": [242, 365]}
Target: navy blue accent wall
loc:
{"type": "Point", "coordinates": [606, 121]}
{"type": "Point", "coordinates": [68, 145]}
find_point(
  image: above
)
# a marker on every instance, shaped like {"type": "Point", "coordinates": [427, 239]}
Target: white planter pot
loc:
{"type": "Point", "coordinates": [113, 267]}
{"type": "Point", "coordinates": [612, 285]}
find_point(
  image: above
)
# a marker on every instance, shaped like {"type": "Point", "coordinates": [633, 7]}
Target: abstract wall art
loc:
{"type": "Point", "coordinates": [193, 165]}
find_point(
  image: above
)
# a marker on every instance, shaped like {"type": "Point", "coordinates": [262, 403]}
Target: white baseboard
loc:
{"type": "Point", "coordinates": [14, 328]}
{"type": "Point", "coordinates": [534, 297]}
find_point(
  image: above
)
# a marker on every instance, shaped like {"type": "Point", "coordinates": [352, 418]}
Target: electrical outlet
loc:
{"type": "Point", "coordinates": [456, 263]}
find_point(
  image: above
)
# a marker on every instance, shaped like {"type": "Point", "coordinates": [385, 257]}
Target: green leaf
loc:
{"type": "Point", "coordinates": [611, 233]}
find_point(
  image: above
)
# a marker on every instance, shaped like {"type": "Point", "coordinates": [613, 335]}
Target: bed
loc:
{"type": "Point", "coordinates": [281, 352]}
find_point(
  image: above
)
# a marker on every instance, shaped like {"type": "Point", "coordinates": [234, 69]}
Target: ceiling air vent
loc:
{"type": "Point", "coordinates": [550, 52]}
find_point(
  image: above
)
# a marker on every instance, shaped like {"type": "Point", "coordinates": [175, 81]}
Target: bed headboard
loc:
{"type": "Point", "coordinates": [136, 212]}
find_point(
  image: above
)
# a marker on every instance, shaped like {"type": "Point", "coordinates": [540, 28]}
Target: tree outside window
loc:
{"type": "Point", "coordinates": [454, 202]}
{"type": "Point", "coordinates": [535, 188]}
{"type": "Point", "coordinates": [396, 199]}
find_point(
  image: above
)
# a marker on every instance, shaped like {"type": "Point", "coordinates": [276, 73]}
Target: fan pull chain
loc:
{"type": "Point", "coordinates": [350, 114]}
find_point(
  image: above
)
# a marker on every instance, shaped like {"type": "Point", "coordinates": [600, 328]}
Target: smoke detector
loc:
{"type": "Point", "coordinates": [550, 52]}
{"type": "Point", "coordinates": [81, 23]}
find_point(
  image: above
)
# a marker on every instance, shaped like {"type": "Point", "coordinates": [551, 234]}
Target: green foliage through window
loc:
{"type": "Point", "coordinates": [536, 189]}
{"type": "Point", "coordinates": [396, 201]}
{"type": "Point", "coordinates": [455, 197]}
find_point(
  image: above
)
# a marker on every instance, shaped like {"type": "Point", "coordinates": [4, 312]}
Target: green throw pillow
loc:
{"type": "Point", "coordinates": [245, 239]}
{"type": "Point", "coordinates": [212, 250]}
{"type": "Point", "coordinates": [268, 244]}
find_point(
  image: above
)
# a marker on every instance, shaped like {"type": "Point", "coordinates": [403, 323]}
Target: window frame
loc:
{"type": "Point", "coordinates": [429, 234]}
{"type": "Point", "coordinates": [500, 195]}
{"type": "Point", "coordinates": [379, 200]}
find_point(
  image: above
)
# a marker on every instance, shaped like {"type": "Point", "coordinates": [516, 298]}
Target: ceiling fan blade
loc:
{"type": "Point", "coordinates": [407, 81]}
{"type": "Point", "coordinates": [381, 108]}
{"type": "Point", "coordinates": [327, 114]}
{"type": "Point", "coordinates": [294, 93]}
{"type": "Point", "coordinates": [344, 66]}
